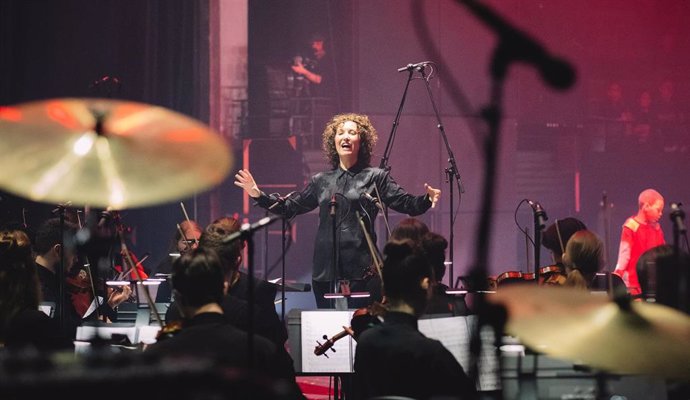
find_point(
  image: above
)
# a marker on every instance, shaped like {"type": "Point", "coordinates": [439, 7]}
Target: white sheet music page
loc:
{"type": "Point", "coordinates": [315, 324]}
{"type": "Point", "coordinates": [455, 334]}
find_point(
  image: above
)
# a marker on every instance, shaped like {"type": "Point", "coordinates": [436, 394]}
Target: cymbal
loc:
{"type": "Point", "coordinates": [107, 153]}
{"type": "Point", "coordinates": [631, 338]}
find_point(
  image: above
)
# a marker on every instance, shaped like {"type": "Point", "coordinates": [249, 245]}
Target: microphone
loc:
{"type": "Point", "coordinates": [248, 229]}
{"type": "Point", "coordinates": [418, 66]}
{"type": "Point", "coordinates": [557, 72]}
{"type": "Point", "coordinates": [333, 204]}
{"type": "Point", "coordinates": [677, 216]}
{"type": "Point", "coordinates": [373, 199]}
{"type": "Point", "coordinates": [539, 214]}
{"type": "Point", "coordinates": [281, 199]}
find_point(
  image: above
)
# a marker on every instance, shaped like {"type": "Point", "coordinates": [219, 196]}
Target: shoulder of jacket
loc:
{"type": "Point", "coordinates": [631, 224]}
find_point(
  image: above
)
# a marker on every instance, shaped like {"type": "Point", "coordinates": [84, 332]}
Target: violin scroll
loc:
{"type": "Point", "coordinates": [321, 349]}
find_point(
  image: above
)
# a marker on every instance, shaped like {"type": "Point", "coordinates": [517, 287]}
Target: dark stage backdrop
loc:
{"type": "Point", "coordinates": [555, 147]}
{"type": "Point", "coordinates": [157, 49]}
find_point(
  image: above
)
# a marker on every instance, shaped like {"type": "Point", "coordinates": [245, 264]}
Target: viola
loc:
{"type": "Point", "coordinates": [362, 319]}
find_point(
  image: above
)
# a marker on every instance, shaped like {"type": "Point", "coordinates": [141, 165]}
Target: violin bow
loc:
{"type": "Point", "coordinates": [372, 249]}
{"type": "Point", "coordinates": [133, 266]}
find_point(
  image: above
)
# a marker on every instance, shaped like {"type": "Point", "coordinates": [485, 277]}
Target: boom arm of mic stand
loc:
{"type": "Point", "coordinates": [391, 137]}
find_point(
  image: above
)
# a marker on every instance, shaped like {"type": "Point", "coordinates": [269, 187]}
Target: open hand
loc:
{"type": "Point", "coordinates": [434, 194]}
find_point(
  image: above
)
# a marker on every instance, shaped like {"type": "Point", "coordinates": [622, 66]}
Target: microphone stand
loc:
{"type": "Point", "coordinates": [539, 225]}
{"type": "Point", "coordinates": [389, 144]}
{"type": "Point", "coordinates": [336, 271]}
{"type": "Point", "coordinates": [246, 233]}
{"type": "Point", "coordinates": [283, 231]}
{"type": "Point", "coordinates": [452, 174]}
{"type": "Point", "coordinates": [60, 270]}
{"type": "Point", "coordinates": [677, 217]}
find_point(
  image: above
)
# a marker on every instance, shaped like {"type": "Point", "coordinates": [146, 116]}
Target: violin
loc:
{"type": "Point", "coordinates": [362, 319]}
{"type": "Point", "coordinates": [169, 330]}
{"type": "Point", "coordinates": [81, 291]}
{"type": "Point", "coordinates": [510, 277]}
{"type": "Point", "coordinates": [552, 275]}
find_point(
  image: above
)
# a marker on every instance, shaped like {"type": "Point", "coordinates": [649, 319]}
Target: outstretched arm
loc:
{"type": "Point", "coordinates": [434, 194]}
{"type": "Point", "coordinates": [245, 180]}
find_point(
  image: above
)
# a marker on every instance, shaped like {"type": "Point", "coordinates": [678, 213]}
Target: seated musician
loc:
{"type": "Point", "coordinates": [235, 302]}
{"type": "Point", "coordinates": [395, 358]}
{"type": "Point", "coordinates": [583, 260]}
{"type": "Point", "coordinates": [49, 249]}
{"type": "Point", "coordinates": [22, 324]}
{"type": "Point", "coordinates": [200, 285]}
{"type": "Point", "coordinates": [185, 238]}
{"type": "Point", "coordinates": [555, 238]}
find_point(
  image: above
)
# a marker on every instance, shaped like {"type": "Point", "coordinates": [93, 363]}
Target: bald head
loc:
{"type": "Point", "coordinates": [649, 197]}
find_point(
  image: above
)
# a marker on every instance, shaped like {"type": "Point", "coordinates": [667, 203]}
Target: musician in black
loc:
{"type": "Point", "coordinates": [51, 249]}
{"type": "Point", "coordinates": [235, 302]}
{"type": "Point", "coordinates": [348, 141]}
{"type": "Point", "coordinates": [199, 283]}
{"type": "Point", "coordinates": [395, 358]}
{"type": "Point", "coordinates": [318, 69]}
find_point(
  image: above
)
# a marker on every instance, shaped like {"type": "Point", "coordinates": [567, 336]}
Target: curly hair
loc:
{"type": "Point", "coordinates": [367, 135]}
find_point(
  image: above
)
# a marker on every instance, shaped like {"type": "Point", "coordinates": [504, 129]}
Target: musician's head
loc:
{"type": "Point", "coordinates": [410, 228]}
{"type": "Point", "coordinates": [190, 239]}
{"type": "Point", "coordinates": [197, 279]}
{"type": "Point", "coordinates": [583, 258]}
{"type": "Point", "coordinates": [52, 236]}
{"type": "Point", "coordinates": [349, 137]}
{"type": "Point", "coordinates": [230, 254]}
{"type": "Point", "coordinates": [435, 246]}
{"type": "Point", "coordinates": [556, 236]}
{"type": "Point", "coordinates": [662, 276]}
{"type": "Point", "coordinates": [407, 276]}
{"type": "Point", "coordinates": [317, 42]}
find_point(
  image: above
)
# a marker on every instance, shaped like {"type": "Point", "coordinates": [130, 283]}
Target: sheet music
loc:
{"type": "Point", "coordinates": [315, 324]}
{"type": "Point", "coordinates": [455, 334]}
{"type": "Point", "coordinates": [86, 332]}
{"type": "Point", "coordinates": [92, 307]}
{"type": "Point", "coordinates": [147, 334]}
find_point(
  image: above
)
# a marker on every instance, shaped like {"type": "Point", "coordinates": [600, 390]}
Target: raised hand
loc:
{"type": "Point", "coordinates": [245, 180]}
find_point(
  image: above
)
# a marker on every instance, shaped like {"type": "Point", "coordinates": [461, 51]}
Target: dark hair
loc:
{"type": "Point", "coordinates": [198, 277]}
{"type": "Point", "coordinates": [404, 268]}
{"type": "Point", "coordinates": [660, 273]}
{"type": "Point", "coordinates": [228, 253]}
{"type": "Point", "coordinates": [49, 234]}
{"type": "Point", "coordinates": [435, 246]}
{"type": "Point", "coordinates": [19, 285]}
{"type": "Point", "coordinates": [566, 227]}
{"type": "Point", "coordinates": [367, 137]}
{"type": "Point", "coordinates": [410, 228]}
